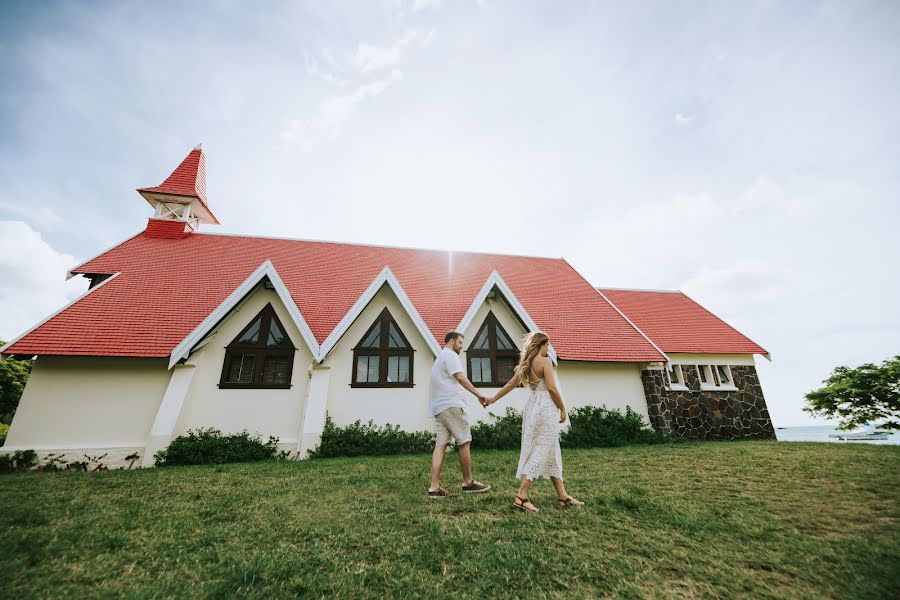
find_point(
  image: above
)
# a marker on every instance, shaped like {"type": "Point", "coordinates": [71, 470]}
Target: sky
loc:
{"type": "Point", "coordinates": [744, 153]}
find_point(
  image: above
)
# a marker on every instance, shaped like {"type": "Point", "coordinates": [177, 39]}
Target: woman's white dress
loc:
{"type": "Point", "coordinates": [540, 455]}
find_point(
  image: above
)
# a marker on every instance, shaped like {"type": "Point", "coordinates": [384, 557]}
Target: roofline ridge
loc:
{"type": "Point", "coordinates": [495, 279]}
{"type": "Point", "coordinates": [183, 349]}
{"type": "Point", "coordinates": [67, 306]}
{"type": "Point", "coordinates": [388, 246]}
{"type": "Point", "coordinates": [620, 289]}
{"type": "Point", "coordinates": [730, 326]}
{"type": "Point", "coordinates": [71, 272]}
{"type": "Point", "coordinates": [384, 277]}
{"type": "Point", "coordinates": [621, 314]}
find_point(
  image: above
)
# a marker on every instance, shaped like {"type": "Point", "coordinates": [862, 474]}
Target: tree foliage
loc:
{"type": "Point", "coordinates": [13, 375]}
{"type": "Point", "coordinates": [868, 393]}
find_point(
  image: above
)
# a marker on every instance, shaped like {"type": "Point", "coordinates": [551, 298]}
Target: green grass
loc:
{"type": "Point", "coordinates": [740, 519]}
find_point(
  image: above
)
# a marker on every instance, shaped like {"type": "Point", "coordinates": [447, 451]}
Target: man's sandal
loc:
{"type": "Point", "coordinates": [569, 502]}
{"type": "Point", "coordinates": [523, 504]}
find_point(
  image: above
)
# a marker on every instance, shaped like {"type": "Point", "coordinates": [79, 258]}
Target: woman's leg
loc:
{"type": "Point", "coordinates": [522, 500]}
{"type": "Point", "coordinates": [524, 487]}
{"type": "Point", "coordinates": [562, 495]}
{"type": "Point", "coordinates": [561, 492]}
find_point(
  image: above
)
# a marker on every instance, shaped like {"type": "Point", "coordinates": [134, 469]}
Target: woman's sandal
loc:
{"type": "Point", "coordinates": [569, 502]}
{"type": "Point", "coordinates": [523, 502]}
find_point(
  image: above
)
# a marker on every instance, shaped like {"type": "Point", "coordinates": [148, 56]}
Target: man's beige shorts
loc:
{"type": "Point", "coordinates": [452, 424]}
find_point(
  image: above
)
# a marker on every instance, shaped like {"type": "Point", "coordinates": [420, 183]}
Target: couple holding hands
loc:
{"type": "Point", "coordinates": [544, 412]}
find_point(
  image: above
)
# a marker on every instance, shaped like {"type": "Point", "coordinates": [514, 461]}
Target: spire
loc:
{"type": "Point", "coordinates": [182, 196]}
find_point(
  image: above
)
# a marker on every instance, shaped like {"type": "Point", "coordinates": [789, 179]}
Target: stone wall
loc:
{"type": "Point", "coordinates": [708, 414]}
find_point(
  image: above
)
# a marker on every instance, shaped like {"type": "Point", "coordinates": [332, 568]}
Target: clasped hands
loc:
{"type": "Point", "coordinates": [485, 401]}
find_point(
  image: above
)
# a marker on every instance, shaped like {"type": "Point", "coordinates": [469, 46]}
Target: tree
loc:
{"type": "Point", "coordinates": [13, 375]}
{"type": "Point", "coordinates": [868, 393]}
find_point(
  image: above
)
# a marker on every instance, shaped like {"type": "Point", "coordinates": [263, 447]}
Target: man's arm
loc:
{"type": "Point", "coordinates": [464, 381]}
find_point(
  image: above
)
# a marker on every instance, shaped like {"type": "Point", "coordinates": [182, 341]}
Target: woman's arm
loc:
{"type": "Point", "coordinates": [546, 365]}
{"type": "Point", "coordinates": [510, 386]}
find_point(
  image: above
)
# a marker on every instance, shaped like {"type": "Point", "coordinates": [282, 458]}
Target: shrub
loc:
{"type": "Point", "coordinates": [4, 431]}
{"type": "Point", "coordinates": [13, 376]}
{"type": "Point", "coordinates": [20, 460]}
{"type": "Point", "coordinates": [503, 433]}
{"type": "Point", "coordinates": [209, 446]}
{"type": "Point", "coordinates": [591, 427]}
{"type": "Point", "coordinates": [368, 439]}
{"type": "Point", "coordinates": [599, 427]}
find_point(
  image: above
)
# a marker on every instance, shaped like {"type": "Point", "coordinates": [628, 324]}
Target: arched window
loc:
{"type": "Point", "coordinates": [384, 357]}
{"type": "Point", "coordinates": [492, 357]}
{"type": "Point", "coordinates": [261, 356]}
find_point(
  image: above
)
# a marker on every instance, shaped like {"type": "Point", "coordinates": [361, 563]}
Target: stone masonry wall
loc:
{"type": "Point", "coordinates": [708, 414]}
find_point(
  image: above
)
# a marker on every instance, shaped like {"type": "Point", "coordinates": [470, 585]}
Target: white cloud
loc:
{"type": "Point", "coordinates": [312, 69]}
{"type": "Point", "coordinates": [40, 215]}
{"type": "Point", "coordinates": [420, 5]}
{"type": "Point", "coordinates": [34, 279]}
{"type": "Point", "coordinates": [683, 118]}
{"type": "Point", "coordinates": [334, 112]}
{"type": "Point", "coordinates": [368, 57]}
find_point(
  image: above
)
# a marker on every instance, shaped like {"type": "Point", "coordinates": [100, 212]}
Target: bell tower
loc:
{"type": "Point", "coordinates": [182, 196]}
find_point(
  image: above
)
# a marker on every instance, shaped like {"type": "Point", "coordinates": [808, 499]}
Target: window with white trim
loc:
{"type": "Point", "coordinates": [261, 356]}
{"type": "Point", "coordinates": [715, 377]}
{"type": "Point", "coordinates": [723, 374]}
{"type": "Point", "coordinates": [384, 357]}
{"type": "Point", "coordinates": [492, 357]}
{"type": "Point", "coordinates": [675, 378]}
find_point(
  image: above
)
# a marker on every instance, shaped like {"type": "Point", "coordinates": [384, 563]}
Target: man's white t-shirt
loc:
{"type": "Point", "coordinates": [445, 391]}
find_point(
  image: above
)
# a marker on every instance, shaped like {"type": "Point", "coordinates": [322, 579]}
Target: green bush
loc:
{"type": "Point", "coordinates": [368, 439]}
{"type": "Point", "coordinates": [209, 446]}
{"type": "Point", "coordinates": [13, 377]}
{"type": "Point", "coordinates": [503, 433]}
{"type": "Point", "coordinates": [590, 427]}
{"type": "Point", "coordinates": [4, 431]}
{"type": "Point", "coordinates": [20, 460]}
{"type": "Point", "coordinates": [599, 427]}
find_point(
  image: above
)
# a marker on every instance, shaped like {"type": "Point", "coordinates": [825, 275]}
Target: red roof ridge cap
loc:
{"type": "Point", "coordinates": [363, 244]}
{"type": "Point", "coordinates": [621, 314]}
{"type": "Point", "coordinates": [726, 323]}
{"type": "Point", "coordinates": [618, 289]}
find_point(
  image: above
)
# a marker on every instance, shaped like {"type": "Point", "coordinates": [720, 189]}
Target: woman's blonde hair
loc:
{"type": "Point", "coordinates": [531, 348]}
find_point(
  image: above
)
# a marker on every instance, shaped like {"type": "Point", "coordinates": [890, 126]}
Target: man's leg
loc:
{"type": "Point", "coordinates": [437, 460]}
{"type": "Point", "coordinates": [465, 461]}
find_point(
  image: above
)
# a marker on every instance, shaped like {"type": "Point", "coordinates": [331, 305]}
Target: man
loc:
{"type": "Point", "coordinates": [446, 404]}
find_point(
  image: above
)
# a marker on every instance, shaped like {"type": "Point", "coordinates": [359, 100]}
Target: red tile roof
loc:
{"type": "Point", "coordinates": [676, 323]}
{"type": "Point", "coordinates": [168, 286]}
{"type": "Point", "coordinates": [188, 179]}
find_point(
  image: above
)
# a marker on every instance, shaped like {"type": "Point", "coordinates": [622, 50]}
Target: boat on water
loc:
{"type": "Point", "coordinates": [867, 432]}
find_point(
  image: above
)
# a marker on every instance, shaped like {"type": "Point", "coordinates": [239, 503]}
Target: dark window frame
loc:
{"type": "Point", "coordinates": [383, 352]}
{"type": "Point", "coordinates": [261, 351]}
{"type": "Point", "coordinates": [491, 322]}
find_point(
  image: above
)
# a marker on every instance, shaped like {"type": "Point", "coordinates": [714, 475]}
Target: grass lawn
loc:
{"type": "Point", "coordinates": [740, 519]}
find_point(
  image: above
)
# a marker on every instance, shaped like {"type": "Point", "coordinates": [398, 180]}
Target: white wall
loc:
{"type": "Point", "coordinates": [407, 407]}
{"type": "Point", "coordinates": [88, 402]}
{"type": "Point", "coordinates": [510, 323]}
{"type": "Point", "coordinates": [98, 402]}
{"type": "Point", "coordinates": [711, 359]}
{"type": "Point", "coordinates": [615, 385]}
{"type": "Point", "coordinates": [275, 412]}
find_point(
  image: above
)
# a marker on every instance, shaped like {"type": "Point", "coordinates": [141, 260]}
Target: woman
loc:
{"type": "Point", "coordinates": [544, 412]}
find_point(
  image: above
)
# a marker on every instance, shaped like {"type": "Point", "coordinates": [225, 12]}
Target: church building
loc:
{"type": "Point", "coordinates": [181, 329]}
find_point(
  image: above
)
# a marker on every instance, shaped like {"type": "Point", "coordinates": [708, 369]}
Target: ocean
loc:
{"type": "Point", "coordinates": [820, 434]}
